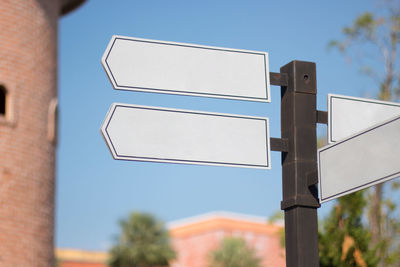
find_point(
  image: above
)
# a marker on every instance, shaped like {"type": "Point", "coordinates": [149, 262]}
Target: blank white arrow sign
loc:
{"type": "Point", "coordinates": [349, 115]}
{"type": "Point", "coordinates": [187, 69]}
{"type": "Point", "coordinates": [182, 136]}
{"type": "Point", "coordinates": [362, 160]}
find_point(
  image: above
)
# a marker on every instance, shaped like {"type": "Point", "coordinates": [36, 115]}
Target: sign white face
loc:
{"type": "Point", "coordinates": [362, 160]}
{"type": "Point", "coordinates": [187, 69]}
{"type": "Point", "coordinates": [155, 134]}
{"type": "Point", "coordinates": [349, 115]}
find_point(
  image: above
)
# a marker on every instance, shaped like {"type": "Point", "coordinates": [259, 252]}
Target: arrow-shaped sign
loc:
{"type": "Point", "coordinates": [187, 69]}
{"type": "Point", "coordinates": [182, 136]}
{"type": "Point", "coordinates": [349, 115]}
{"type": "Point", "coordinates": [362, 160]}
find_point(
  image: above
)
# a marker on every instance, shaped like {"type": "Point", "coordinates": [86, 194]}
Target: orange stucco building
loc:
{"type": "Point", "coordinates": [194, 238]}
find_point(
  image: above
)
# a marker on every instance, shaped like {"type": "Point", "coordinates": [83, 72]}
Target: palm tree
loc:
{"type": "Point", "coordinates": [143, 242]}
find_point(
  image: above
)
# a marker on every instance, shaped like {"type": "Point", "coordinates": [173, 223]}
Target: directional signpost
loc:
{"type": "Point", "coordinates": [362, 160]}
{"type": "Point", "coordinates": [155, 134]}
{"type": "Point", "coordinates": [187, 69]}
{"type": "Point", "coordinates": [181, 136]}
{"type": "Point", "coordinates": [360, 157]}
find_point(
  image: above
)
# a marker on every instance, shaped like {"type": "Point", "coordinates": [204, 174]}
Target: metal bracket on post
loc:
{"type": "Point", "coordinates": [279, 144]}
{"type": "Point", "coordinates": [299, 117]}
{"type": "Point", "coordinates": [322, 117]}
{"type": "Point", "coordinates": [280, 79]}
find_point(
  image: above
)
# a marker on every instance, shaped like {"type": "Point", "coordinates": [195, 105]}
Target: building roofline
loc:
{"type": "Point", "coordinates": [78, 255]}
{"type": "Point", "coordinates": [220, 220]}
{"type": "Point", "coordinates": [214, 215]}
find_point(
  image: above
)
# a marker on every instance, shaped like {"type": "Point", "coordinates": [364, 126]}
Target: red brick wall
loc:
{"type": "Point", "coordinates": [28, 69]}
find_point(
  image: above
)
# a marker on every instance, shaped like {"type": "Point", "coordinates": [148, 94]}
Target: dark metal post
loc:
{"type": "Point", "coordinates": [300, 200]}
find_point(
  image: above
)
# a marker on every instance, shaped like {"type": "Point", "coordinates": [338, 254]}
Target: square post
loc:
{"type": "Point", "coordinates": [300, 201]}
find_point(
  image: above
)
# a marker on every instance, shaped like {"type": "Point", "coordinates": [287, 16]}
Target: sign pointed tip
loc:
{"type": "Point", "coordinates": [104, 130]}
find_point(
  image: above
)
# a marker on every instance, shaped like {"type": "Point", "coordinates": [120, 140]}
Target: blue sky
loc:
{"type": "Point", "coordinates": [94, 191]}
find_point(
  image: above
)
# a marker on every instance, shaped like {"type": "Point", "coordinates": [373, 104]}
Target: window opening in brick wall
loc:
{"type": "Point", "coordinates": [52, 121]}
{"type": "Point", "coordinates": [3, 100]}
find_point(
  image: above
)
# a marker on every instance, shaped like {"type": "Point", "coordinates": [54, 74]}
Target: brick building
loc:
{"type": "Point", "coordinates": [28, 107]}
{"type": "Point", "coordinates": [194, 238]}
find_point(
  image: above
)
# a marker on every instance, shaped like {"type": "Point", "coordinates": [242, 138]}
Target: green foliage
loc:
{"type": "Point", "coordinates": [388, 246]}
{"type": "Point", "coordinates": [344, 223]}
{"type": "Point", "coordinates": [373, 40]}
{"type": "Point", "coordinates": [364, 25]}
{"type": "Point", "coordinates": [276, 217]}
{"type": "Point", "coordinates": [234, 253]}
{"type": "Point", "coordinates": [143, 242]}
{"type": "Point", "coordinates": [343, 239]}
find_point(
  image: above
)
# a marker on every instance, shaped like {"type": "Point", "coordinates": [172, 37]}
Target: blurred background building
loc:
{"type": "Point", "coordinates": [195, 238]}
{"type": "Point", "coordinates": [28, 128]}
